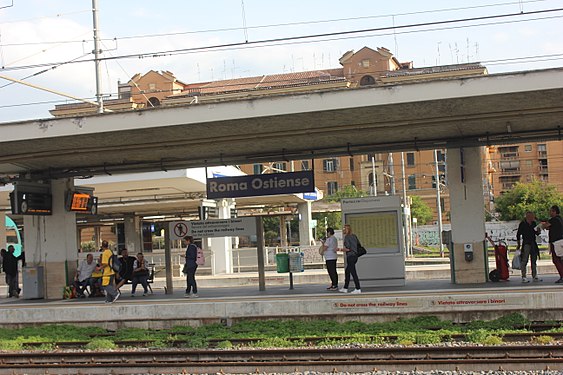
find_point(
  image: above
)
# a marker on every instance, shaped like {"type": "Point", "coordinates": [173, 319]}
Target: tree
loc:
{"type": "Point", "coordinates": [421, 210]}
{"type": "Point", "coordinates": [536, 196]}
{"type": "Point", "coordinates": [333, 220]}
{"type": "Point", "coordinates": [348, 191]}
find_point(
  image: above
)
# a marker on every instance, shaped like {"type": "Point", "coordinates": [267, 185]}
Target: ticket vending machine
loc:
{"type": "Point", "coordinates": [378, 223]}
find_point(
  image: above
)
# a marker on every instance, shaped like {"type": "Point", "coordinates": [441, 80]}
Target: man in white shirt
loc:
{"type": "Point", "coordinates": [330, 246]}
{"type": "Point", "coordinates": [83, 277]}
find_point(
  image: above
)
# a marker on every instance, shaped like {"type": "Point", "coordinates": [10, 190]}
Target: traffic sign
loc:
{"type": "Point", "coordinates": [244, 226]}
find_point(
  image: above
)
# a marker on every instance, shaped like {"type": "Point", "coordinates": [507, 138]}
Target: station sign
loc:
{"type": "Point", "coordinates": [244, 226]}
{"type": "Point", "coordinates": [260, 185]}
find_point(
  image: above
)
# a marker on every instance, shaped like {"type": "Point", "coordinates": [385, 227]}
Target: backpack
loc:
{"type": "Point", "coordinates": [115, 263]}
{"type": "Point", "coordinates": [200, 258]}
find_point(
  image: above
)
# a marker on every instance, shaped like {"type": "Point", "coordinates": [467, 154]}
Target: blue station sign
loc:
{"type": "Point", "coordinates": [262, 184]}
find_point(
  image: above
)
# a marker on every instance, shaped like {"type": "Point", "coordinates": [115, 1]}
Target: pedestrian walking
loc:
{"type": "Point", "coordinates": [330, 246]}
{"type": "Point", "coordinates": [190, 267]}
{"type": "Point", "coordinates": [108, 274]}
{"type": "Point", "coordinates": [351, 250]}
{"type": "Point", "coordinates": [10, 265]}
{"type": "Point", "coordinates": [527, 232]}
{"type": "Point", "coordinates": [555, 227]}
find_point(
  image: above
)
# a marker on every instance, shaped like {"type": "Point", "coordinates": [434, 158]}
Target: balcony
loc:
{"type": "Point", "coordinates": [510, 172]}
{"type": "Point", "coordinates": [542, 154]}
{"type": "Point", "coordinates": [508, 185]}
{"type": "Point", "coordinates": [543, 169]}
{"type": "Point", "coordinates": [509, 155]}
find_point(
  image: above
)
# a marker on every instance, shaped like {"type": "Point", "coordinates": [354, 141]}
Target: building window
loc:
{"type": "Point", "coordinates": [124, 91]}
{"type": "Point", "coordinates": [152, 86]}
{"type": "Point", "coordinates": [351, 164]}
{"type": "Point", "coordinates": [367, 80]}
{"type": "Point", "coordinates": [329, 165]}
{"type": "Point", "coordinates": [441, 156]}
{"type": "Point", "coordinates": [442, 180]}
{"type": "Point", "coordinates": [305, 166]}
{"type": "Point", "coordinates": [365, 63]}
{"type": "Point", "coordinates": [410, 159]}
{"type": "Point", "coordinates": [528, 163]}
{"type": "Point", "coordinates": [527, 148]}
{"type": "Point", "coordinates": [412, 182]}
{"type": "Point", "coordinates": [258, 168]}
{"type": "Point", "coordinates": [279, 167]}
{"type": "Point", "coordinates": [331, 187]}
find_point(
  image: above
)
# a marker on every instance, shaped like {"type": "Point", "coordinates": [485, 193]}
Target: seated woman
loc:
{"type": "Point", "coordinates": [140, 275]}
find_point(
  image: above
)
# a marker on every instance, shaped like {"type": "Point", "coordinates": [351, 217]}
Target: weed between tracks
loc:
{"type": "Point", "coordinates": [427, 330]}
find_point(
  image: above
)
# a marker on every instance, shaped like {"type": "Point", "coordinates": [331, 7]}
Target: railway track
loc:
{"type": "Point", "coordinates": [462, 358]}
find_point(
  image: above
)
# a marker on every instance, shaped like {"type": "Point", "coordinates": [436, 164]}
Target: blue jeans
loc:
{"type": "Point", "coordinates": [350, 269]}
{"type": "Point", "coordinates": [191, 284]}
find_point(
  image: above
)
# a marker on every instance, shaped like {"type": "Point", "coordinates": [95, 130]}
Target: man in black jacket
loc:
{"type": "Point", "coordinates": [190, 267]}
{"type": "Point", "coordinates": [10, 265]}
{"type": "Point", "coordinates": [527, 232]}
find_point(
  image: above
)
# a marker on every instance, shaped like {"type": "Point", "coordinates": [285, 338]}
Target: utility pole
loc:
{"type": "Point", "coordinates": [392, 173]}
{"type": "Point", "coordinates": [406, 208]}
{"type": "Point", "coordinates": [374, 180]}
{"type": "Point", "coordinates": [438, 202]}
{"type": "Point", "coordinates": [97, 57]}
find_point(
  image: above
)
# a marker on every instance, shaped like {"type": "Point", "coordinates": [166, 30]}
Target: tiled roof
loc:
{"type": "Point", "coordinates": [265, 82]}
{"type": "Point", "coordinates": [433, 70]}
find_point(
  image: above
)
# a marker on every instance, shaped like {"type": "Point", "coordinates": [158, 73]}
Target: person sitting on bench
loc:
{"type": "Point", "coordinates": [140, 275]}
{"type": "Point", "coordinates": [83, 277]}
{"type": "Point", "coordinates": [126, 272]}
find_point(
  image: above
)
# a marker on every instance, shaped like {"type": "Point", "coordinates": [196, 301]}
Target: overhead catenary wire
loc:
{"type": "Point", "coordinates": [311, 37]}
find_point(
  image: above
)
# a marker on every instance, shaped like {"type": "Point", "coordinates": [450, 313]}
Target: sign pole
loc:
{"type": "Point", "coordinates": [168, 260]}
{"type": "Point", "coordinates": [260, 253]}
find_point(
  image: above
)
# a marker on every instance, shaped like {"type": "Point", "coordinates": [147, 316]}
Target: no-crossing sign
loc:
{"type": "Point", "coordinates": [244, 226]}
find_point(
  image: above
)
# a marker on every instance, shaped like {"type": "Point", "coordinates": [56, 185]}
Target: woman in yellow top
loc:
{"type": "Point", "coordinates": [108, 278]}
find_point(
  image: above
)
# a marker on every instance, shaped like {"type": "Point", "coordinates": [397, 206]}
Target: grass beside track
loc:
{"type": "Point", "coordinates": [276, 334]}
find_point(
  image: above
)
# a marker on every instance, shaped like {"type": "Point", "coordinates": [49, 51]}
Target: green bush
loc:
{"type": "Point", "coordinates": [101, 344]}
{"type": "Point", "coordinates": [225, 344]}
{"type": "Point", "coordinates": [543, 339]}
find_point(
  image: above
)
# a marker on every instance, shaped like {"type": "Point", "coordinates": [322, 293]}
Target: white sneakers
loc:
{"type": "Point", "coordinates": [525, 281]}
{"type": "Point", "coordinates": [355, 291]}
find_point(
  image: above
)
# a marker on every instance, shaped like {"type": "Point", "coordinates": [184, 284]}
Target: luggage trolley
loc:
{"type": "Point", "coordinates": [501, 259]}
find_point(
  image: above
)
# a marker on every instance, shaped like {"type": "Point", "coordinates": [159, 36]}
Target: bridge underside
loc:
{"type": "Point", "coordinates": [453, 113]}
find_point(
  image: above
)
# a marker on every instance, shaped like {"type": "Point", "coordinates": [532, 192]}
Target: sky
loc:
{"type": "Point", "coordinates": [42, 42]}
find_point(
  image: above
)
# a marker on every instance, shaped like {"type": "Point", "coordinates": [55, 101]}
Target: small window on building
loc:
{"type": "Point", "coordinates": [152, 86]}
{"type": "Point", "coordinates": [528, 163]}
{"type": "Point", "coordinates": [365, 63]}
{"type": "Point", "coordinates": [542, 147]}
{"type": "Point", "coordinates": [351, 164]}
{"type": "Point", "coordinates": [305, 165]}
{"type": "Point", "coordinates": [410, 159]}
{"type": "Point", "coordinates": [367, 80]}
{"type": "Point", "coordinates": [258, 168]}
{"type": "Point", "coordinates": [527, 148]}
{"type": "Point", "coordinates": [331, 187]}
{"type": "Point", "coordinates": [279, 167]}
{"type": "Point", "coordinates": [329, 165]}
{"type": "Point", "coordinates": [412, 182]}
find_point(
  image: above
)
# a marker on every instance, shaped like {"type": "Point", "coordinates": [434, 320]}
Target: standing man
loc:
{"type": "Point", "coordinates": [351, 250]}
{"type": "Point", "coordinates": [108, 275]}
{"type": "Point", "coordinates": [190, 267]}
{"type": "Point", "coordinates": [527, 232]}
{"type": "Point", "coordinates": [555, 227]}
{"type": "Point", "coordinates": [10, 265]}
{"type": "Point", "coordinates": [330, 246]}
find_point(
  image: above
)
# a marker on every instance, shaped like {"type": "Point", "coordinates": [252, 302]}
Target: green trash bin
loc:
{"type": "Point", "coordinates": [282, 262]}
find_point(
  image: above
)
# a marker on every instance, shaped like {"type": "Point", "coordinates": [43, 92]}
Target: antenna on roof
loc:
{"type": "Point", "coordinates": [244, 22]}
{"type": "Point", "coordinates": [395, 37]}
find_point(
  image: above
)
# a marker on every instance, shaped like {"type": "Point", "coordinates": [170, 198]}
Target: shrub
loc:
{"type": "Point", "coordinates": [101, 344]}
{"type": "Point", "coordinates": [544, 339]}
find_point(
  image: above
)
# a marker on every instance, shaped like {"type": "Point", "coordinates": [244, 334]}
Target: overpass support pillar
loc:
{"type": "Point", "coordinates": [465, 179]}
{"type": "Point", "coordinates": [133, 234]}
{"type": "Point", "coordinates": [51, 242]}
{"type": "Point", "coordinates": [305, 230]}
{"type": "Point", "coordinates": [222, 246]}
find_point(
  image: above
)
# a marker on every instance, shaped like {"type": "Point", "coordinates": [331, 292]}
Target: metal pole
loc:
{"type": "Point", "coordinates": [168, 261]}
{"type": "Point", "coordinates": [97, 57]}
{"type": "Point", "coordinates": [438, 203]}
{"type": "Point", "coordinates": [406, 204]}
{"type": "Point", "coordinates": [392, 173]}
{"type": "Point", "coordinates": [374, 181]}
{"type": "Point", "coordinates": [260, 253]}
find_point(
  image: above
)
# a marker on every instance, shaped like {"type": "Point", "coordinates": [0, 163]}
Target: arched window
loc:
{"type": "Point", "coordinates": [367, 80]}
{"type": "Point", "coordinates": [153, 102]}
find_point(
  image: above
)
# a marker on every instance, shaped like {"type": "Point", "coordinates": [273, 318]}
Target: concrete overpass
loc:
{"type": "Point", "coordinates": [449, 113]}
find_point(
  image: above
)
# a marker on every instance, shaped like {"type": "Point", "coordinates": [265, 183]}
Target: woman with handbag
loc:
{"type": "Point", "coordinates": [351, 243]}
{"type": "Point", "coordinates": [330, 245]}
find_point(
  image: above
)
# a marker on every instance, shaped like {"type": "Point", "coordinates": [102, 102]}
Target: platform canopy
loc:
{"type": "Point", "coordinates": [493, 109]}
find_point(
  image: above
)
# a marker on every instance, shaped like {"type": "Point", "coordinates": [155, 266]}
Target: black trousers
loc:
{"type": "Point", "coordinates": [191, 284]}
{"type": "Point", "coordinates": [350, 269]}
{"type": "Point", "coordinates": [331, 268]}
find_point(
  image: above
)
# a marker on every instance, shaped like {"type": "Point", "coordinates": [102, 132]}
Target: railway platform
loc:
{"type": "Point", "coordinates": [222, 300]}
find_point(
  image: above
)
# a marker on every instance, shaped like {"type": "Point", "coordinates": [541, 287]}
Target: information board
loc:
{"type": "Point", "coordinates": [376, 230]}
{"type": "Point", "coordinates": [244, 226]}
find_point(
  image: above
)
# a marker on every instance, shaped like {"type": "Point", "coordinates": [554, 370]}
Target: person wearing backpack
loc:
{"type": "Point", "coordinates": [108, 274]}
{"type": "Point", "coordinates": [351, 249]}
{"type": "Point", "coordinates": [190, 267]}
{"type": "Point", "coordinates": [555, 227]}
